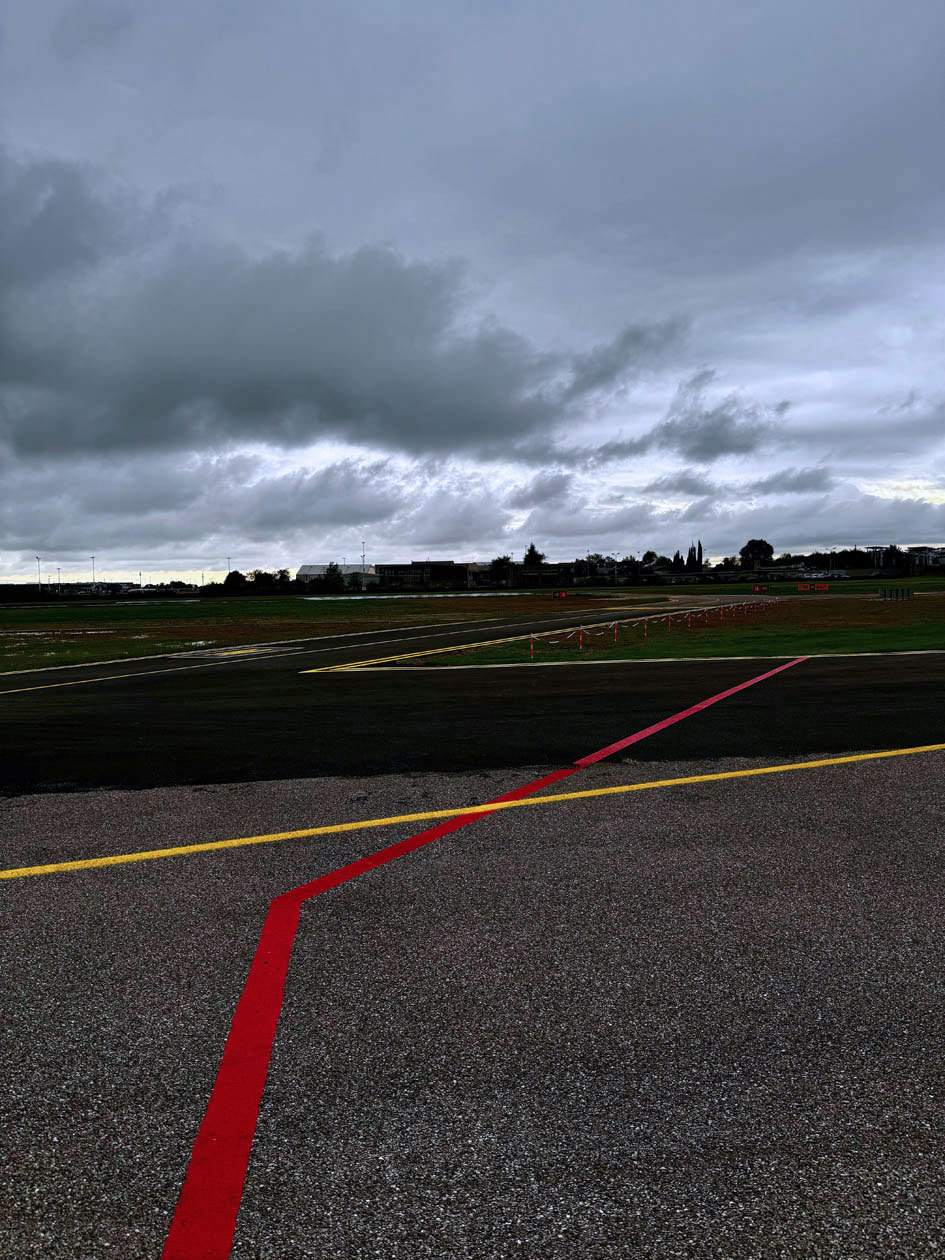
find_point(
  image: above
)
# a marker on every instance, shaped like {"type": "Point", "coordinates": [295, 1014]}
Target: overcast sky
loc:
{"type": "Point", "coordinates": [454, 276]}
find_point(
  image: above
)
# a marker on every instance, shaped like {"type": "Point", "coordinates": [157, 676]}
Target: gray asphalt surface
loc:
{"type": "Point", "coordinates": [701, 1021]}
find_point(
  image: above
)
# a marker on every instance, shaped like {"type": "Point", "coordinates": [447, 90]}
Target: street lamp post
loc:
{"type": "Point", "coordinates": [39, 576]}
{"type": "Point", "coordinates": [93, 573]}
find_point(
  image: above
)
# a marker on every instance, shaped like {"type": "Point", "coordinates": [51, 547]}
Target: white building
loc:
{"type": "Point", "coordinates": [308, 572]}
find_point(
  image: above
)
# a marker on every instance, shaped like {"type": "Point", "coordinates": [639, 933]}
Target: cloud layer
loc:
{"type": "Point", "coordinates": [455, 276]}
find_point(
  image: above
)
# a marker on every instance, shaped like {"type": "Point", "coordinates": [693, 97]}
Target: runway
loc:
{"type": "Point", "coordinates": [228, 717]}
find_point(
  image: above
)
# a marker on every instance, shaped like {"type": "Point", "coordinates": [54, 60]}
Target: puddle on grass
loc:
{"type": "Point", "coordinates": [49, 634]}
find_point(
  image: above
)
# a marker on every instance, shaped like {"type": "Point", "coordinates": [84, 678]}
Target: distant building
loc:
{"type": "Point", "coordinates": [543, 574]}
{"type": "Point", "coordinates": [928, 557]}
{"type": "Point", "coordinates": [426, 574]}
{"type": "Point", "coordinates": [309, 572]}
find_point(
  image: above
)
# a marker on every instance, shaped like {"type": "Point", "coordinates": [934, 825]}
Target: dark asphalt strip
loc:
{"type": "Point", "coordinates": [262, 721]}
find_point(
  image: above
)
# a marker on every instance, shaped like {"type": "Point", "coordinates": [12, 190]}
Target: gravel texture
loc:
{"type": "Point", "coordinates": [704, 1021]}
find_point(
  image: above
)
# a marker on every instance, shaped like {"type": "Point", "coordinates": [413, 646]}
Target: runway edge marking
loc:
{"type": "Point", "coordinates": [204, 1220]}
{"type": "Point", "coordinates": [355, 666]}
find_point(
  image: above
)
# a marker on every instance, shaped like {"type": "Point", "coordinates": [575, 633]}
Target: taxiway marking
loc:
{"type": "Point", "coordinates": [354, 666]}
{"type": "Point", "coordinates": [366, 824]}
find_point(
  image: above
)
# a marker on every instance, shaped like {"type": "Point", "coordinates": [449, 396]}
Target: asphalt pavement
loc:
{"type": "Point", "coordinates": [701, 1020]}
{"type": "Point", "coordinates": [697, 1021]}
{"type": "Point", "coordinates": [233, 719]}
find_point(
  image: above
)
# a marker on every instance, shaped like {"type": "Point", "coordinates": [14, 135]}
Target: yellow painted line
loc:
{"type": "Point", "coordinates": [460, 647]}
{"type": "Point", "coordinates": [218, 657]}
{"type": "Point", "coordinates": [407, 656]}
{"type": "Point", "coordinates": [515, 638]}
{"type": "Point", "coordinates": [182, 655]}
{"type": "Point", "coordinates": [117, 859]}
{"type": "Point", "coordinates": [84, 682]}
{"type": "Point", "coordinates": [646, 660]}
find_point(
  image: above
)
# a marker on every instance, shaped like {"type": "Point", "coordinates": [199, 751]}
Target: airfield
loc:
{"type": "Point", "coordinates": [680, 996]}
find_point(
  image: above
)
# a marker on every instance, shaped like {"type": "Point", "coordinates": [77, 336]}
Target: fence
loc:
{"type": "Point", "coordinates": [702, 616]}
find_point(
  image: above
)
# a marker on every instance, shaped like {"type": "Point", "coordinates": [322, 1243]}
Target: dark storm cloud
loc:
{"type": "Point", "coordinates": [200, 344]}
{"type": "Point", "coordinates": [688, 481]}
{"type": "Point", "coordinates": [56, 218]}
{"type": "Point", "coordinates": [700, 429]}
{"type": "Point", "coordinates": [89, 24]}
{"type": "Point", "coordinates": [704, 432]}
{"type": "Point", "coordinates": [773, 171]}
{"type": "Point", "coordinates": [548, 487]}
{"type": "Point", "coordinates": [692, 483]}
{"type": "Point", "coordinates": [606, 365]}
{"type": "Point", "coordinates": [350, 492]}
{"type": "Point", "coordinates": [793, 481]}
{"type": "Point", "coordinates": [117, 504]}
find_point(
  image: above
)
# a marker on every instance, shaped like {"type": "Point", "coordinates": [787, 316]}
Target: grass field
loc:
{"type": "Point", "coordinates": [790, 628]}
{"type": "Point", "coordinates": [845, 587]}
{"type": "Point", "coordinates": [35, 635]}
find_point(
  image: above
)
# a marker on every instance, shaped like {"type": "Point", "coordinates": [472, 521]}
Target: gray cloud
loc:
{"type": "Point", "coordinates": [212, 506]}
{"type": "Point", "coordinates": [57, 218]}
{"type": "Point", "coordinates": [793, 481]}
{"type": "Point", "coordinates": [89, 24]}
{"type": "Point", "coordinates": [688, 481]}
{"type": "Point", "coordinates": [692, 483]}
{"type": "Point", "coordinates": [858, 441]}
{"type": "Point", "coordinates": [279, 281]}
{"type": "Point", "coordinates": [699, 429]}
{"type": "Point", "coordinates": [605, 365]}
{"type": "Point", "coordinates": [454, 516]}
{"type": "Point", "coordinates": [201, 344]}
{"type": "Point", "coordinates": [717, 155]}
{"type": "Point", "coordinates": [704, 432]}
{"type": "Point", "coordinates": [830, 520]}
{"type": "Point", "coordinates": [115, 505]}
{"type": "Point", "coordinates": [580, 527]}
{"type": "Point", "coordinates": [547, 487]}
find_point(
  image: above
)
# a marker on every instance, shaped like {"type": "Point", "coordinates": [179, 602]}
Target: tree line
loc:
{"type": "Point", "coordinates": [756, 554]}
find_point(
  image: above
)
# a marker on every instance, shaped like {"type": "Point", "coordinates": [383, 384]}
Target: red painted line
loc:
{"type": "Point", "coordinates": [204, 1220]}
{"type": "Point", "coordinates": [678, 717]}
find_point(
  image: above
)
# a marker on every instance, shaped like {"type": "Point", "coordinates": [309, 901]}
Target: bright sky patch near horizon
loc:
{"type": "Point", "coordinates": [451, 278]}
